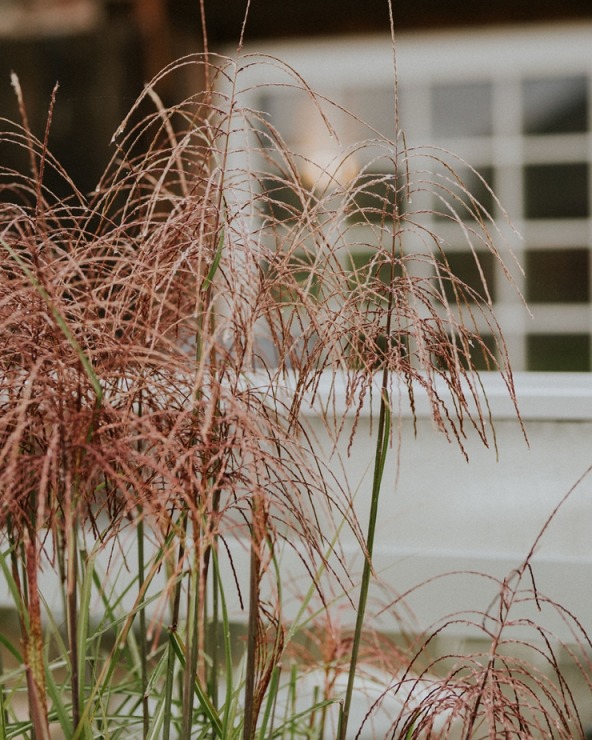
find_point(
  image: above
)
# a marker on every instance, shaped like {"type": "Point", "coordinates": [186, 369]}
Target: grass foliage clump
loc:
{"type": "Point", "coordinates": [161, 338]}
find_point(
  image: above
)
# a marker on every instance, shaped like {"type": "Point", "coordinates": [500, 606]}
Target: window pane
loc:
{"type": "Point", "coordinates": [288, 112]}
{"type": "Point", "coordinates": [557, 276]}
{"type": "Point", "coordinates": [374, 197]}
{"type": "Point", "coordinates": [477, 353]}
{"type": "Point", "coordinates": [281, 111]}
{"type": "Point", "coordinates": [367, 266]}
{"type": "Point", "coordinates": [481, 352]}
{"type": "Point", "coordinates": [483, 355]}
{"type": "Point", "coordinates": [462, 110]}
{"type": "Point", "coordinates": [468, 196]}
{"type": "Point", "coordinates": [378, 349]}
{"type": "Point", "coordinates": [558, 352]}
{"type": "Point", "coordinates": [374, 106]}
{"type": "Point", "coordinates": [464, 266]}
{"type": "Point", "coordinates": [281, 200]}
{"type": "Point", "coordinates": [290, 277]}
{"type": "Point", "coordinates": [556, 106]}
{"type": "Point", "coordinates": [556, 190]}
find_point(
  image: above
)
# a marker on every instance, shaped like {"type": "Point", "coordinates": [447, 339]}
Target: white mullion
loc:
{"type": "Point", "coordinates": [505, 60]}
{"type": "Point", "coordinates": [507, 160]}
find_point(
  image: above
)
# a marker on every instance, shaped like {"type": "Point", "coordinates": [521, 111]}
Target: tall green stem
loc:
{"type": "Point", "coordinates": [71, 590]}
{"type": "Point", "coordinates": [250, 711]}
{"type": "Point", "coordinates": [142, 619]}
{"type": "Point", "coordinates": [382, 443]}
{"type": "Point", "coordinates": [170, 670]}
{"type": "Point", "coordinates": [195, 610]}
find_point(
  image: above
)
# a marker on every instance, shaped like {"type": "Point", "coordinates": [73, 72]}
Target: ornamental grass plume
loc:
{"type": "Point", "coordinates": [161, 338]}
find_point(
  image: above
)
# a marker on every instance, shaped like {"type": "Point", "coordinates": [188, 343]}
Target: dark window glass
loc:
{"type": "Point", "coordinates": [558, 352]}
{"type": "Point", "coordinates": [291, 276]}
{"type": "Point", "coordinates": [282, 200]}
{"type": "Point", "coordinates": [99, 76]}
{"type": "Point", "coordinates": [374, 196]}
{"type": "Point", "coordinates": [483, 353]}
{"type": "Point", "coordinates": [466, 193]}
{"type": "Point", "coordinates": [557, 276]}
{"type": "Point", "coordinates": [470, 268]}
{"type": "Point", "coordinates": [478, 353]}
{"type": "Point", "coordinates": [374, 351]}
{"type": "Point", "coordinates": [556, 106]}
{"type": "Point", "coordinates": [368, 266]}
{"type": "Point", "coordinates": [460, 110]}
{"type": "Point", "coordinates": [556, 190]}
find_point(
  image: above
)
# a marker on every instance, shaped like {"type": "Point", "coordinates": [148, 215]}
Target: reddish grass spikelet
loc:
{"type": "Point", "coordinates": [161, 339]}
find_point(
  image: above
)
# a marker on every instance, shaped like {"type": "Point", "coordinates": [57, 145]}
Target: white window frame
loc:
{"type": "Point", "coordinates": [503, 57]}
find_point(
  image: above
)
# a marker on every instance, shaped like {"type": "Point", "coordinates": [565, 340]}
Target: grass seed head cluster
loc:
{"type": "Point", "coordinates": [160, 338]}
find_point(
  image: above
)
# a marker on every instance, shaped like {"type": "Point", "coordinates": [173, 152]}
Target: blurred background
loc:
{"type": "Point", "coordinates": [102, 51]}
{"type": "Point", "coordinates": [508, 86]}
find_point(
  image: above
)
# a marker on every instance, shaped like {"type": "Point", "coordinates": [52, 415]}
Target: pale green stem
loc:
{"type": "Point", "coordinates": [192, 639]}
{"type": "Point", "coordinates": [170, 672]}
{"type": "Point", "coordinates": [142, 621]}
{"type": "Point", "coordinates": [252, 642]}
{"type": "Point", "coordinates": [379, 462]}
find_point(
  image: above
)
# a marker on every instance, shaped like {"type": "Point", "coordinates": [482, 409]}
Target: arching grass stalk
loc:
{"type": "Point", "coordinates": [104, 679]}
{"type": "Point", "coordinates": [206, 704]}
{"type": "Point", "coordinates": [61, 322]}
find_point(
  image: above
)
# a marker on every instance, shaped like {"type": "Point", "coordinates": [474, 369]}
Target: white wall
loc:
{"type": "Point", "coordinates": [440, 514]}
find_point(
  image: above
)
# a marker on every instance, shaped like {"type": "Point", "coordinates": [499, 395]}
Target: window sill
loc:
{"type": "Point", "coordinates": [541, 396]}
